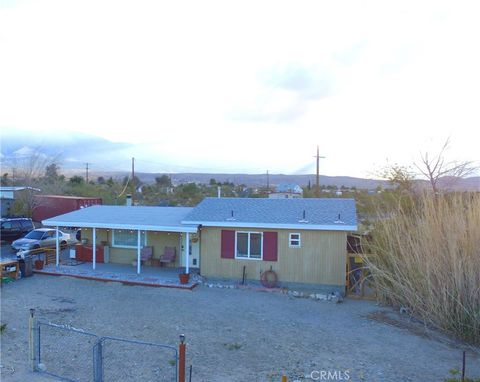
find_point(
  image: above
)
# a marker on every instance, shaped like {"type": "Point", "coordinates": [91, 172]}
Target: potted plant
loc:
{"type": "Point", "coordinates": [184, 277]}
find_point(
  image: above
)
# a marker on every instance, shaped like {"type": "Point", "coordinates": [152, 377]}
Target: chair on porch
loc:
{"type": "Point", "coordinates": [168, 256]}
{"type": "Point", "coordinates": [146, 254]}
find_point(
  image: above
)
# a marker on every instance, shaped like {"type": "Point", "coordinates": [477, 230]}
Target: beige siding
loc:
{"type": "Point", "coordinates": [320, 260]}
{"type": "Point", "coordinates": [158, 240]}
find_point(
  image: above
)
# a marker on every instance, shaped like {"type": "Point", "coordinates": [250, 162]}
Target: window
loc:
{"type": "Point", "coordinates": [294, 240]}
{"type": "Point", "coordinates": [249, 245]}
{"type": "Point", "coordinates": [127, 238]}
{"type": "Point", "coordinates": [7, 225]}
{"type": "Point", "coordinates": [26, 224]}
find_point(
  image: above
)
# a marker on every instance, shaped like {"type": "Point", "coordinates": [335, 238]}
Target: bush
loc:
{"type": "Point", "coordinates": [428, 260]}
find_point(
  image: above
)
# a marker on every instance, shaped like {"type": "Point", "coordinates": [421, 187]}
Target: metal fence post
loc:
{"type": "Point", "coordinates": [32, 341]}
{"type": "Point", "coordinates": [98, 361]}
{"type": "Point", "coordinates": [181, 358]}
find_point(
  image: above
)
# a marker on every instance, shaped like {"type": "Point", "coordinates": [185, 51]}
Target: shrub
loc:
{"type": "Point", "coordinates": [428, 260]}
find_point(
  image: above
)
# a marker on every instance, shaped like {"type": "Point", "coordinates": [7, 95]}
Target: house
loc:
{"type": "Point", "coordinates": [302, 240]}
{"type": "Point", "coordinates": [286, 191]}
{"type": "Point", "coordinates": [8, 196]}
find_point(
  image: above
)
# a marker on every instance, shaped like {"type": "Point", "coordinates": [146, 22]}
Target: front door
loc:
{"type": "Point", "coordinates": [194, 257]}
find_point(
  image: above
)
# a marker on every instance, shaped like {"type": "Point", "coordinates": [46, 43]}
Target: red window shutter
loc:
{"type": "Point", "coordinates": [270, 246]}
{"type": "Point", "coordinates": [228, 244]}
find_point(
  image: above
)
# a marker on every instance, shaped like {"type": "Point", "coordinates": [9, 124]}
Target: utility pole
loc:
{"type": "Point", "coordinates": [133, 181]}
{"type": "Point", "coordinates": [86, 173]}
{"type": "Point", "coordinates": [317, 188]}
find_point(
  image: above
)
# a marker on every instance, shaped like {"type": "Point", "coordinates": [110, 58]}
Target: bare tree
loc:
{"type": "Point", "coordinates": [29, 168]}
{"type": "Point", "coordinates": [436, 167]}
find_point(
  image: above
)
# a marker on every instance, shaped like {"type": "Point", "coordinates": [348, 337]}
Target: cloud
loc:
{"type": "Point", "coordinates": [284, 92]}
{"type": "Point", "coordinates": [351, 55]}
{"type": "Point", "coordinates": [308, 83]}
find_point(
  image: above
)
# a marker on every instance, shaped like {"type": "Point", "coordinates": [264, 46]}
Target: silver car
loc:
{"type": "Point", "coordinates": [40, 238]}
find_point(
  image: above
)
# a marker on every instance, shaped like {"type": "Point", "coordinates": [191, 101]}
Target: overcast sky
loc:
{"type": "Point", "coordinates": [247, 86]}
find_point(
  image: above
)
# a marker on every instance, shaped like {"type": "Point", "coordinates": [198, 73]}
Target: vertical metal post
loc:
{"type": "Point", "coordinates": [32, 341]}
{"type": "Point", "coordinates": [139, 258]}
{"type": "Point", "coordinates": [187, 252]}
{"type": "Point", "coordinates": [181, 358]}
{"type": "Point", "coordinates": [98, 362]}
{"type": "Point", "coordinates": [94, 248]}
{"type": "Point", "coordinates": [57, 248]}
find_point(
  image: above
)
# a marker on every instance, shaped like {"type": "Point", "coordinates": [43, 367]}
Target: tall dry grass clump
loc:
{"type": "Point", "coordinates": [428, 260]}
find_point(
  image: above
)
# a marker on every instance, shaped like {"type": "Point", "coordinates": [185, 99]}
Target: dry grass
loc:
{"type": "Point", "coordinates": [429, 262]}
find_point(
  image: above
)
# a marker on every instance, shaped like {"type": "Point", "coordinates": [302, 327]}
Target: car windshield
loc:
{"type": "Point", "coordinates": [35, 235]}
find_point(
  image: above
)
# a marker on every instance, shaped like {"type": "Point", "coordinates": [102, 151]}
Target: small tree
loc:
{"type": "Point", "coordinates": [76, 180]}
{"type": "Point", "coordinates": [163, 181]}
{"type": "Point", "coordinates": [400, 177]}
{"type": "Point", "coordinates": [51, 172]}
{"type": "Point", "coordinates": [435, 167]}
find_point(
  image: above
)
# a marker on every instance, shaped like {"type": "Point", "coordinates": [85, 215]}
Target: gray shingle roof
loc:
{"type": "Point", "coordinates": [308, 213]}
{"type": "Point", "coordinates": [138, 217]}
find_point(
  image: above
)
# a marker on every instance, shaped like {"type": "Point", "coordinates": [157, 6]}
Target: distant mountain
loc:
{"type": "Point", "coordinates": [70, 149]}
{"type": "Point", "coordinates": [253, 180]}
{"type": "Point", "coordinates": [260, 180]}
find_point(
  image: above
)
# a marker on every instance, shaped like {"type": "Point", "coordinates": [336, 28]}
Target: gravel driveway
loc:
{"type": "Point", "coordinates": [235, 335]}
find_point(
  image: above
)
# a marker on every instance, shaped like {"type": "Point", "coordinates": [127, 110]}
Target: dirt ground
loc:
{"type": "Point", "coordinates": [231, 334]}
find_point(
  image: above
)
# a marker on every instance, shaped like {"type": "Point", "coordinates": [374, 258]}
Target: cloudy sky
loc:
{"type": "Point", "coordinates": [243, 86]}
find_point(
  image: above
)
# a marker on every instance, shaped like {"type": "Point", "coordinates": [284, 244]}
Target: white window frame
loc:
{"type": "Point", "coordinates": [290, 239]}
{"type": "Point", "coordinates": [144, 244]}
{"type": "Point", "coordinates": [248, 245]}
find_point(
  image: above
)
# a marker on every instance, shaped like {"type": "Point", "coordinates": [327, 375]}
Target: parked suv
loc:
{"type": "Point", "coordinates": [15, 228]}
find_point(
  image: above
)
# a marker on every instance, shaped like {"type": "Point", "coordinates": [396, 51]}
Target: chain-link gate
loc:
{"type": "Point", "coordinates": [131, 360]}
{"type": "Point", "coordinates": [57, 356]}
{"type": "Point", "coordinates": [72, 354]}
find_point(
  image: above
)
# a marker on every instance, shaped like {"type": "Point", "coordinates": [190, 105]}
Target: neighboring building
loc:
{"type": "Point", "coordinates": [303, 240]}
{"type": "Point", "coordinates": [47, 206]}
{"type": "Point", "coordinates": [287, 191]}
{"type": "Point", "coordinates": [8, 195]}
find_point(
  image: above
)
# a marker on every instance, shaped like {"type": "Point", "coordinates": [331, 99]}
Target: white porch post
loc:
{"type": "Point", "coordinates": [94, 248]}
{"type": "Point", "coordinates": [138, 251]}
{"type": "Point", "coordinates": [57, 248]}
{"type": "Point", "coordinates": [187, 251]}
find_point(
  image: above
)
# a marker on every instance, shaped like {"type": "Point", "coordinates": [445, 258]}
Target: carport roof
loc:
{"type": "Point", "coordinates": [126, 217]}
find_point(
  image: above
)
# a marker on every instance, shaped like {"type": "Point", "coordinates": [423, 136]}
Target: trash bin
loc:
{"type": "Point", "coordinates": [26, 266]}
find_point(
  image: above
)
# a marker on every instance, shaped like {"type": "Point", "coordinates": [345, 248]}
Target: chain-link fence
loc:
{"type": "Point", "coordinates": [72, 354]}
